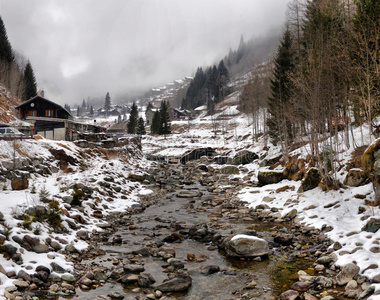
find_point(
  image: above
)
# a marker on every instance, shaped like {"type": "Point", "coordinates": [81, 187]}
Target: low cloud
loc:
{"type": "Point", "coordinates": [88, 47]}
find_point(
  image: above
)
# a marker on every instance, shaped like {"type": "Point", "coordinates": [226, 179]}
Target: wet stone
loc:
{"type": "Point", "coordinates": [289, 295]}
{"type": "Point", "coordinates": [115, 295]}
{"type": "Point", "coordinates": [177, 284]}
{"type": "Point", "coordinates": [130, 278]}
{"type": "Point", "coordinates": [189, 194]}
{"type": "Point", "coordinates": [21, 284]}
{"type": "Point", "coordinates": [132, 268]}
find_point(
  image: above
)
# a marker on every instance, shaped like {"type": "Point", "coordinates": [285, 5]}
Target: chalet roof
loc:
{"type": "Point", "coordinates": [44, 99]}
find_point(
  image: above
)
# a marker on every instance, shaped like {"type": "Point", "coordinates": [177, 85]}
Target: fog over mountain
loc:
{"type": "Point", "coordinates": [88, 47]}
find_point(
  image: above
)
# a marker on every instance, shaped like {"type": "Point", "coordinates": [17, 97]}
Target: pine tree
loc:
{"type": "Point", "coordinates": [156, 123]}
{"type": "Point", "coordinates": [222, 80]}
{"type": "Point", "coordinates": [240, 50]}
{"type": "Point", "coordinates": [5, 46]}
{"type": "Point", "coordinates": [91, 111]}
{"type": "Point", "coordinates": [281, 88]}
{"type": "Point", "coordinates": [133, 118]}
{"type": "Point", "coordinates": [78, 111]}
{"type": "Point", "coordinates": [107, 104]}
{"type": "Point", "coordinates": [141, 127]}
{"type": "Point", "coordinates": [30, 85]}
{"type": "Point", "coordinates": [164, 119]}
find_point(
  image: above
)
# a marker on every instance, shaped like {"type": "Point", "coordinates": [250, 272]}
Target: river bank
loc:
{"type": "Point", "coordinates": [170, 246]}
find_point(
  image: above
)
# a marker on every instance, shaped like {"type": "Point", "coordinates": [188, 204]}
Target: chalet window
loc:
{"type": "Point", "coordinates": [32, 113]}
{"type": "Point", "coordinates": [49, 113]}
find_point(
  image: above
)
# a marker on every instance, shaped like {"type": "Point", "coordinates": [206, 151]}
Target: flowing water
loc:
{"type": "Point", "coordinates": [273, 275]}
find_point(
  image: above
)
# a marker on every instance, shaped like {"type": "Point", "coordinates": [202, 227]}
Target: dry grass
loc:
{"type": "Point", "coordinates": [7, 103]}
{"type": "Point", "coordinates": [64, 146]}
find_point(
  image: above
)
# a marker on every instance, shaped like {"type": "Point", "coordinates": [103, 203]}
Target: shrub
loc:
{"type": "Point", "coordinates": [77, 195]}
{"type": "Point", "coordinates": [27, 221]}
{"type": "Point", "coordinates": [54, 214]}
{"type": "Point", "coordinates": [44, 195]}
{"type": "Point", "coordinates": [82, 166]}
{"type": "Point", "coordinates": [33, 189]}
{"type": "Point", "coordinates": [37, 230]}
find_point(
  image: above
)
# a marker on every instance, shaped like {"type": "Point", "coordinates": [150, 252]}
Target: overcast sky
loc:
{"type": "Point", "coordinates": [81, 48]}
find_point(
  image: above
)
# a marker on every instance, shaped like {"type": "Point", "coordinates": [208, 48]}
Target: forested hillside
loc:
{"type": "Point", "coordinates": [16, 73]}
{"type": "Point", "coordinates": [324, 81]}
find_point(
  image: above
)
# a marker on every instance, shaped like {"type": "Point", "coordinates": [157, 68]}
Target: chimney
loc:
{"type": "Point", "coordinates": [41, 93]}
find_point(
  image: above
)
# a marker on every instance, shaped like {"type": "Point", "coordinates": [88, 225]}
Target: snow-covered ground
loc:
{"type": "Point", "coordinates": [14, 203]}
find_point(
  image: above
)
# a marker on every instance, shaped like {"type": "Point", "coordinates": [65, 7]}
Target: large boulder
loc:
{"type": "Point", "coordinates": [246, 246]}
{"type": "Point", "coordinates": [371, 166]}
{"type": "Point", "coordinates": [244, 157]}
{"type": "Point", "coordinates": [311, 180]}
{"type": "Point", "coordinates": [197, 154]}
{"type": "Point", "coordinates": [355, 178]}
{"type": "Point", "coordinates": [373, 225]}
{"type": "Point", "coordinates": [347, 273]}
{"type": "Point", "coordinates": [269, 177]}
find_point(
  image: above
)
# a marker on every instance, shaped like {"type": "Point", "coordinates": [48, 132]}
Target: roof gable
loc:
{"type": "Point", "coordinates": [24, 104]}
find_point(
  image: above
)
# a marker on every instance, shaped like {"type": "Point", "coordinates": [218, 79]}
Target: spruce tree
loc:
{"type": "Point", "coordinates": [241, 49]}
{"type": "Point", "coordinates": [133, 118]}
{"type": "Point", "coordinates": [164, 119]}
{"type": "Point", "coordinates": [141, 127]}
{"type": "Point", "coordinates": [222, 80]}
{"type": "Point", "coordinates": [5, 46]}
{"type": "Point", "coordinates": [107, 104]}
{"type": "Point", "coordinates": [91, 111]}
{"type": "Point", "coordinates": [30, 85]}
{"type": "Point", "coordinates": [281, 88]}
{"type": "Point", "coordinates": [156, 123]}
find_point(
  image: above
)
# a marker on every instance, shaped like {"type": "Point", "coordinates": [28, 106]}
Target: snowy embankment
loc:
{"type": "Point", "coordinates": [93, 169]}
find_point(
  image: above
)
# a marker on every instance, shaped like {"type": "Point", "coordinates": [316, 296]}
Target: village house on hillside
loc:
{"type": "Point", "coordinates": [52, 121]}
{"type": "Point", "coordinates": [174, 113]}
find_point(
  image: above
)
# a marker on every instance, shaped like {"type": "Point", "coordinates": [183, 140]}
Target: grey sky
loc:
{"type": "Point", "coordinates": [81, 48]}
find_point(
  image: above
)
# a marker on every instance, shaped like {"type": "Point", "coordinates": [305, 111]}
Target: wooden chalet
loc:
{"type": "Point", "coordinates": [52, 121]}
{"type": "Point", "coordinates": [42, 107]}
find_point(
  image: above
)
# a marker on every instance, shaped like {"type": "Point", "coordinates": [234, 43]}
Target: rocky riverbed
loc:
{"type": "Point", "coordinates": [192, 238]}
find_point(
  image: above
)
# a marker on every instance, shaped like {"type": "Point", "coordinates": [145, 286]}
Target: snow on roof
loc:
{"type": "Point", "coordinates": [203, 107]}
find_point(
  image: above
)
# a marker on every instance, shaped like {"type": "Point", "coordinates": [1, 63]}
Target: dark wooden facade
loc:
{"type": "Point", "coordinates": [41, 107]}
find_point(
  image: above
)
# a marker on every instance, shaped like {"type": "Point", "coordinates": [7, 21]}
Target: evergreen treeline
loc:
{"type": "Point", "coordinates": [325, 77]}
{"type": "Point", "coordinates": [161, 120]}
{"type": "Point", "coordinates": [207, 88]}
{"type": "Point", "coordinates": [15, 75]}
